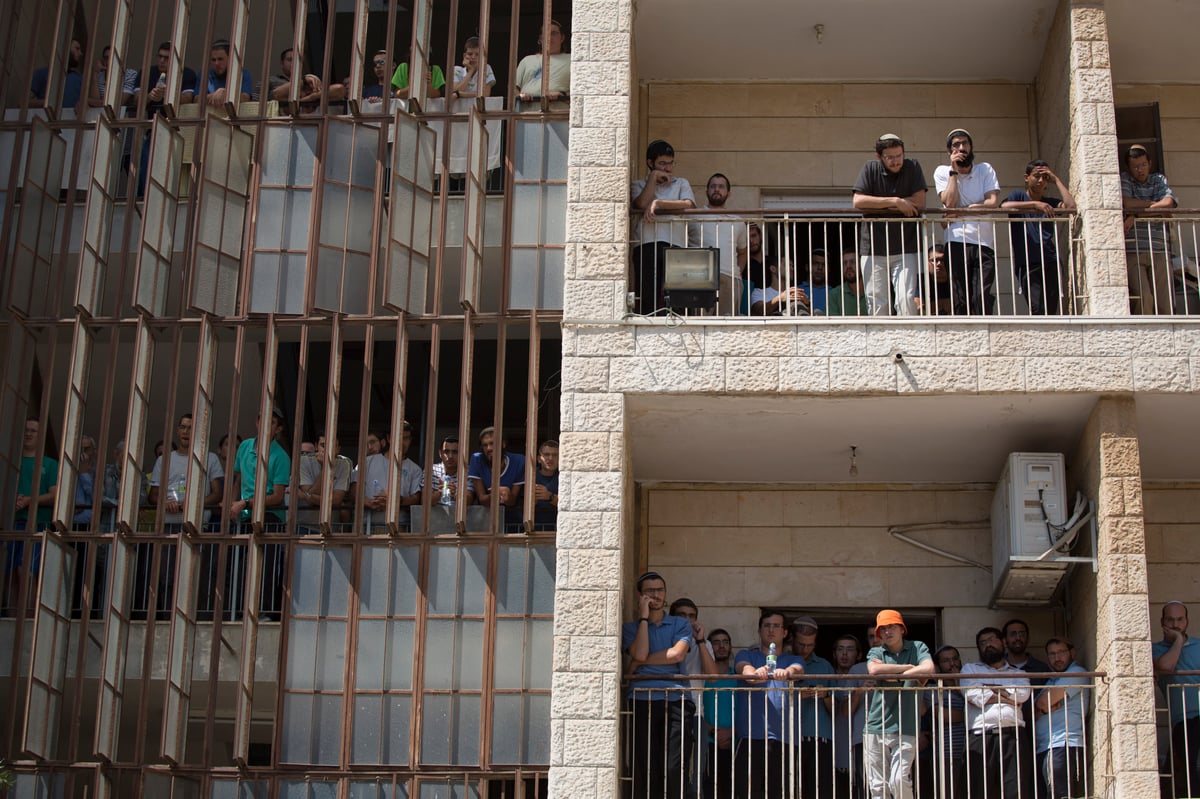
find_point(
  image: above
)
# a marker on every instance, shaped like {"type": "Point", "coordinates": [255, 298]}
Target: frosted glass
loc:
{"type": "Point", "coordinates": [473, 580]}
{"type": "Point", "coordinates": [268, 234]}
{"type": "Point", "coordinates": [554, 214]}
{"type": "Point", "coordinates": [297, 728]}
{"type": "Point", "coordinates": [523, 289]}
{"type": "Point", "coordinates": [507, 732]}
{"type": "Point", "coordinates": [233, 213]}
{"type": "Point", "coordinates": [400, 654]}
{"type": "Point", "coordinates": [539, 653]}
{"type": "Point", "coordinates": [510, 585]}
{"type": "Point", "coordinates": [331, 657]}
{"type": "Point", "coordinates": [397, 724]}
{"type": "Point", "coordinates": [373, 581]}
{"type": "Point", "coordinates": [555, 147]}
{"type": "Point", "coordinates": [340, 150]}
{"type": "Point", "coordinates": [295, 223]}
{"type": "Point", "coordinates": [406, 572]}
{"type": "Point", "coordinates": [302, 648]}
{"type": "Point", "coordinates": [526, 199]}
{"type": "Point", "coordinates": [328, 723]}
{"type": "Point", "coordinates": [443, 569]}
{"type": "Point", "coordinates": [366, 144]}
{"type": "Point", "coordinates": [450, 729]}
{"type": "Point", "coordinates": [469, 665]}
{"type": "Point", "coordinates": [306, 574]}
{"type": "Point", "coordinates": [438, 649]}
{"type": "Point", "coordinates": [551, 294]}
{"type": "Point", "coordinates": [527, 151]}
{"type": "Point", "coordinates": [333, 216]}
{"type": "Point", "coordinates": [336, 594]}
{"type": "Point", "coordinates": [370, 666]}
{"type": "Point", "coordinates": [537, 729]}
{"type": "Point", "coordinates": [364, 737]}
{"type": "Point", "coordinates": [542, 574]}
{"type": "Point", "coordinates": [291, 284]}
{"type": "Point", "coordinates": [509, 660]}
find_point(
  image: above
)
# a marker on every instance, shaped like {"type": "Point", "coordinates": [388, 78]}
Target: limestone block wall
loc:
{"type": "Point", "coordinates": [776, 137]}
{"type": "Point", "coordinates": [1172, 545]}
{"type": "Point", "coordinates": [735, 550]}
{"type": "Point", "coordinates": [1179, 111]}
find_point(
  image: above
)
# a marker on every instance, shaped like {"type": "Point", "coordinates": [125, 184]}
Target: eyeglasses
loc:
{"type": "Point", "coordinates": [654, 590]}
{"type": "Point", "coordinates": [771, 625]}
{"type": "Point", "coordinates": [960, 145]}
{"type": "Point", "coordinates": [379, 62]}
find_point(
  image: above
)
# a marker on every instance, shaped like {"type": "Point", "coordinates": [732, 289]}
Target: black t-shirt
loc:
{"type": "Point", "coordinates": [889, 238]}
{"type": "Point", "coordinates": [190, 84]}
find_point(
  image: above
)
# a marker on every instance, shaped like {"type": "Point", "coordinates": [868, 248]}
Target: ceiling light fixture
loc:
{"type": "Point", "coordinates": [819, 29]}
{"type": "Point", "coordinates": [853, 461]}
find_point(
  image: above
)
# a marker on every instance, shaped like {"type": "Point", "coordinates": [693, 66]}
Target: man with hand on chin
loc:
{"type": "Point", "coordinates": [658, 191]}
{"type": "Point", "coordinates": [970, 244]}
{"type": "Point", "coordinates": [1179, 652]}
{"type": "Point", "coordinates": [663, 712]}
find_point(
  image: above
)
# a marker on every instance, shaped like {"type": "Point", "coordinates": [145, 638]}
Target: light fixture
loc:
{"type": "Point", "coordinates": [819, 29]}
{"type": "Point", "coordinates": [853, 461]}
{"type": "Point", "coordinates": [691, 277]}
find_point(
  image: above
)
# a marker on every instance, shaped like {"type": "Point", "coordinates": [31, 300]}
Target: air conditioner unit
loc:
{"type": "Point", "coordinates": [1030, 501]}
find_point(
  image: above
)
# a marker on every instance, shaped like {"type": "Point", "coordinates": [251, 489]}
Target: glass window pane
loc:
{"type": "Point", "coordinates": [526, 199]}
{"type": "Point", "coordinates": [508, 663]}
{"type": "Point", "coordinates": [539, 653]}
{"type": "Point", "coordinates": [443, 570]}
{"type": "Point", "coordinates": [331, 656]}
{"type": "Point", "coordinates": [450, 729]}
{"type": "Point", "coordinates": [506, 719]}
{"type": "Point", "coordinates": [542, 570]}
{"type": "Point", "coordinates": [555, 144]}
{"type": "Point", "coordinates": [373, 581]}
{"type": "Point", "coordinates": [537, 729]}
{"type": "Point", "coordinates": [302, 643]}
{"type": "Point", "coordinates": [527, 151]}
{"type": "Point", "coordinates": [297, 728]}
{"type": "Point", "coordinates": [554, 214]}
{"type": "Point", "coordinates": [335, 598]}
{"type": "Point", "coordinates": [400, 654]}
{"type": "Point", "coordinates": [510, 583]}
{"type": "Point", "coordinates": [306, 571]}
{"type": "Point", "coordinates": [473, 580]}
{"type": "Point", "coordinates": [438, 649]}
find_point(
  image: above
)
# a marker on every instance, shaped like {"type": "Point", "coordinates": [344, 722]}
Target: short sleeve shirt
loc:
{"type": "Point", "coordinates": [400, 77]}
{"type": "Point", "coordinates": [669, 229]}
{"type": "Point", "coordinates": [760, 713]}
{"type": "Point", "coordinates": [889, 238]}
{"type": "Point", "coordinates": [890, 711]}
{"type": "Point", "coordinates": [1034, 242]}
{"type": "Point", "coordinates": [460, 72]}
{"type": "Point", "coordinates": [1063, 725]}
{"type": "Point", "coordinates": [1182, 693]}
{"type": "Point", "coordinates": [663, 635]}
{"type": "Point", "coordinates": [279, 469]}
{"type": "Point", "coordinates": [177, 464]}
{"type": "Point", "coordinates": [1146, 234]}
{"type": "Point", "coordinates": [46, 480]}
{"type": "Point", "coordinates": [973, 187]}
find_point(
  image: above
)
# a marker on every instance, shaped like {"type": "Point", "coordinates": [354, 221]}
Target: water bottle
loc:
{"type": "Point", "coordinates": [374, 488]}
{"type": "Point", "coordinates": [446, 500]}
{"type": "Point", "coordinates": [772, 660]}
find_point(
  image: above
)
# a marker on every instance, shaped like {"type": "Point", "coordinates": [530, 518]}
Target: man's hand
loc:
{"type": "Point", "coordinates": [22, 502]}
{"type": "Point", "coordinates": [217, 97]}
{"type": "Point", "coordinates": [157, 93]}
{"type": "Point", "coordinates": [958, 160]}
{"type": "Point", "coordinates": [698, 631]}
{"type": "Point", "coordinates": [724, 737]}
{"type": "Point", "coordinates": [173, 506]}
{"type": "Point", "coordinates": [643, 606]}
{"type": "Point", "coordinates": [1169, 635]}
{"type": "Point", "coordinates": [542, 493]}
{"type": "Point", "coordinates": [650, 209]}
{"type": "Point", "coordinates": [504, 495]}
{"type": "Point", "coordinates": [906, 206]}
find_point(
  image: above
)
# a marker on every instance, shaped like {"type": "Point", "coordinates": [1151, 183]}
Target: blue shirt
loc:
{"type": "Point", "coordinates": [1063, 725]}
{"type": "Point", "coordinates": [1034, 243]}
{"type": "Point", "coordinates": [72, 86]}
{"type": "Point", "coordinates": [1183, 693]}
{"type": "Point", "coordinates": [818, 297]}
{"type": "Point", "coordinates": [761, 712]}
{"type": "Point", "coordinates": [813, 719]}
{"type": "Point", "coordinates": [85, 492]}
{"type": "Point", "coordinates": [664, 635]}
{"type": "Point", "coordinates": [215, 82]}
{"type": "Point", "coordinates": [512, 475]}
{"type": "Point", "coordinates": [545, 514]}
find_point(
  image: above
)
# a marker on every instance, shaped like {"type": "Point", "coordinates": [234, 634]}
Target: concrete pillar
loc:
{"type": "Point", "coordinates": [1124, 747]}
{"type": "Point", "coordinates": [1095, 168]}
{"type": "Point", "coordinates": [593, 500]}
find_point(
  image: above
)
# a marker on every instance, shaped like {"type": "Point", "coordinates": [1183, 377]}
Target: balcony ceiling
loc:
{"type": "Point", "coordinates": [704, 438]}
{"type": "Point", "coordinates": [863, 39]}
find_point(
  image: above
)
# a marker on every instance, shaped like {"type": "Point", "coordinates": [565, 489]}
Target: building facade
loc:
{"type": "Point", "coordinates": [419, 268]}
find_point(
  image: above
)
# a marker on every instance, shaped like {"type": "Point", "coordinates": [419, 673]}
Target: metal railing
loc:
{"type": "Point", "coordinates": [1179, 761]}
{"type": "Point", "coordinates": [1162, 262]}
{"type": "Point", "coordinates": [858, 736]}
{"type": "Point", "coordinates": [835, 262]}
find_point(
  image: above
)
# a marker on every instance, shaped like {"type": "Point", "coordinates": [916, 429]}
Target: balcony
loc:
{"type": "Point", "coordinates": [813, 263]}
{"type": "Point", "coordinates": [830, 734]}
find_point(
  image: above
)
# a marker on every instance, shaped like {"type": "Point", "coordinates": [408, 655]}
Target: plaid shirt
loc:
{"type": "Point", "coordinates": [1147, 235]}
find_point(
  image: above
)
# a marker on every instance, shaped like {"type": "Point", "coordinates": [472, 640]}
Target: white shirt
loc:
{"type": "Point", "coordinates": [177, 480]}
{"type": "Point", "coordinates": [460, 72]}
{"type": "Point", "coordinates": [727, 236]}
{"type": "Point", "coordinates": [973, 187]}
{"type": "Point", "coordinates": [669, 228]}
{"type": "Point", "coordinates": [982, 717]}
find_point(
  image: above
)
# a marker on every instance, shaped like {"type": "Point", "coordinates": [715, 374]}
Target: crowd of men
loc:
{"type": "Point", "coordinates": [470, 79]}
{"type": "Point", "coordinates": [894, 267]}
{"type": "Point", "coordinates": [493, 473]}
{"type": "Point", "coordinates": [881, 721]}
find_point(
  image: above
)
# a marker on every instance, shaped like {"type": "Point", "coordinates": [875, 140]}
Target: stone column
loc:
{"type": "Point", "coordinates": [593, 504]}
{"type": "Point", "coordinates": [1124, 746]}
{"type": "Point", "coordinates": [1095, 169]}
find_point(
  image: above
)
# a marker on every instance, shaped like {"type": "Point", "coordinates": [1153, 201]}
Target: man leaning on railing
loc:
{"type": "Point", "coordinates": [1178, 652]}
{"type": "Point", "coordinates": [893, 714]}
{"type": "Point", "coordinates": [1059, 730]}
{"type": "Point", "coordinates": [663, 713]}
